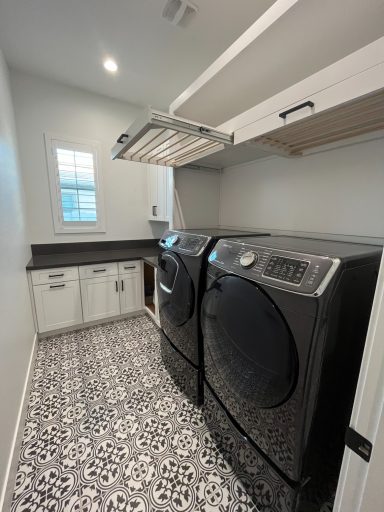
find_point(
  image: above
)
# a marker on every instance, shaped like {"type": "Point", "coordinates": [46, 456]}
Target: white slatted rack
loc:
{"type": "Point", "coordinates": [163, 139]}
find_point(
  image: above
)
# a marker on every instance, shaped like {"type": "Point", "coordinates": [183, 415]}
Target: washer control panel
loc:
{"type": "Point", "coordinates": [286, 269]}
{"type": "Point", "coordinates": [298, 272]}
{"type": "Point", "coordinates": [184, 243]}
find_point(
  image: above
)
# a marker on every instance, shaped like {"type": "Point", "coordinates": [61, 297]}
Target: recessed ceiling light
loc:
{"type": "Point", "coordinates": [110, 65]}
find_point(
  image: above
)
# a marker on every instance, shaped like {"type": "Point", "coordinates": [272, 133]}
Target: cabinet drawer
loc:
{"type": "Point", "coordinates": [54, 275]}
{"type": "Point", "coordinates": [127, 267]}
{"type": "Point", "coordinates": [99, 270]}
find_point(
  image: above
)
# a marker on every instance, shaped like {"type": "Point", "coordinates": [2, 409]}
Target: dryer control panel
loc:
{"type": "Point", "coordinates": [184, 243]}
{"type": "Point", "coordinates": [301, 273]}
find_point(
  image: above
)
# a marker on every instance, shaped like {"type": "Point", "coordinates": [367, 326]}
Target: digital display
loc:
{"type": "Point", "coordinates": [286, 269]}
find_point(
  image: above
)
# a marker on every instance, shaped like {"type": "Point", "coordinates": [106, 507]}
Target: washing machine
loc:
{"type": "Point", "coordinates": [284, 321]}
{"type": "Point", "coordinates": [180, 286]}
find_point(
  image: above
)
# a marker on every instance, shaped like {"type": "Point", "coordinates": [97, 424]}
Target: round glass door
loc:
{"type": "Point", "coordinates": [248, 345]}
{"type": "Point", "coordinates": [175, 289]}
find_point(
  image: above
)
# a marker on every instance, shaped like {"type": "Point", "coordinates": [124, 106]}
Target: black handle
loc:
{"type": "Point", "coordinates": [100, 270]}
{"type": "Point", "coordinates": [57, 285]}
{"type": "Point", "coordinates": [154, 211]}
{"type": "Point", "coordinates": [117, 286]}
{"type": "Point", "coordinates": [133, 266]}
{"type": "Point", "coordinates": [122, 285]}
{"type": "Point", "coordinates": [120, 140]}
{"type": "Point", "coordinates": [55, 275]}
{"type": "Point", "coordinates": [283, 115]}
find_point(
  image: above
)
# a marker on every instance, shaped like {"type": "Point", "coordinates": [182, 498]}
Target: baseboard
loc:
{"type": "Point", "coordinates": [3, 493]}
{"type": "Point", "coordinates": [84, 325]}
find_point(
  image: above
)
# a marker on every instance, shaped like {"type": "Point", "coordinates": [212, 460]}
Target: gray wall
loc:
{"type": "Point", "coordinates": [17, 330]}
{"type": "Point", "coordinates": [199, 194]}
{"type": "Point", "coordinates": [338, 192]}
{"type": "Point", "coordinates": [42, 105]}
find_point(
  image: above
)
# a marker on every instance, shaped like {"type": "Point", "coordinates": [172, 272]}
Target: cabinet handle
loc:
{"type": "Point", "coordinates": [154, 211]}
{"type": "Point", "coordinates": [132, 266]}
{"type": "Point", "coordinates": [283, 115]}
{"type": "Point", "coordinates": [56, 275]}
{"type": "Point", "coordinates": [100, 270]}
{"type": "Point", "coordinates": [57, 285]}
{"type": "Point", "coordinates": [117, 286]}
{"type": "Point", "coordinates": [120, 140]}
{"type": "Point", "coordinates": [122, 285]}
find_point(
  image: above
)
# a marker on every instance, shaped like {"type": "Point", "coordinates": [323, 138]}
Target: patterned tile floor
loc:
{"type": "Point", "coordinates": [107, 430]}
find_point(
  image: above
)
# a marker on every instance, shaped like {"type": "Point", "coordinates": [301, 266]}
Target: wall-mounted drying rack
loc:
{"type": "Point", "coordinates": [163, 139]}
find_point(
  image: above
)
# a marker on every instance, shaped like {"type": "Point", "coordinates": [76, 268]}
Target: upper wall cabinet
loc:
{"type": "Point", "coordinates": [160, 189]}
{"type": "Point", "coordinates": [291, 41]}
{"type": "Point", "coordinates": [291, 70]}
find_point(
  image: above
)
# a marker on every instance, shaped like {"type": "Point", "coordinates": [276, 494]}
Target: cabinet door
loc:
{"type": "Point", "coordinates": [152, 192]}
{"type": "Point", "coordinates": [156, 301]}
{"type": "Point", "coordinates": [57, 305]}
{"type": "Point", "coordinates": [100, 297]}
{"type": "Point", "coordinates": [159, 192]}
{"type": "Point", "coordinates": [131, 297]}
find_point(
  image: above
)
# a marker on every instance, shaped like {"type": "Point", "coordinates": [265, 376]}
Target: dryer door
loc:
{"type": "Point", "coordinates": [250, 354]}
{"type": "Point", "coordinates": [175, 289]}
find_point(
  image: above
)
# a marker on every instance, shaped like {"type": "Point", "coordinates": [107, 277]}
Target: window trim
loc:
{"type": "Point", "coordinates": [50, 140]}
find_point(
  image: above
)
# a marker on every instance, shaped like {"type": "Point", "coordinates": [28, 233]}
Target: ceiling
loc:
{"type": "Point", "coordinates": [67, 40]}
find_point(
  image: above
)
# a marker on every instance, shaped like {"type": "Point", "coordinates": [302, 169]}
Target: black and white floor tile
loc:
{"type": "Point", "coordinates": [107, 430]}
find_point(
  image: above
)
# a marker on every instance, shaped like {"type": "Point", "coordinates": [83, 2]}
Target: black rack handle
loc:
{"type": "Point", "coordinates": [284, 114]}
{"type": "Point", "coordinates": [57, 285]}
{"type": "Point", "coordinates": [120, 140]}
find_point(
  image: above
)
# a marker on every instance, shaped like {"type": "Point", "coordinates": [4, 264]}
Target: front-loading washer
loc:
{"type": "Point", "coordinates": [284, 321]}
{"type": "Point", "coordinates": [180, 287]}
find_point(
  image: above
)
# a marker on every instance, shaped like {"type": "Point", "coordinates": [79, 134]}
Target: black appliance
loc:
{"type": "Point", "coordinates": [284, 321]}
{"type": "Point", "coordinates": [180, 286]}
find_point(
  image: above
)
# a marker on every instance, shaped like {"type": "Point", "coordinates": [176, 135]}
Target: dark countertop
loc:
{"type": "Point", "coordinates": [41, 261]}
{"type": "Point", "coordinates": [151, 260]}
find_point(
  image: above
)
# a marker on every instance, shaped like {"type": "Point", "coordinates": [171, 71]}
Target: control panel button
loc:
{"type": "Point", "coordinates": [249, 259]}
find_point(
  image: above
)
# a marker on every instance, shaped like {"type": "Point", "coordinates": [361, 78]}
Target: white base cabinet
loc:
{"type": "Point", "coordinates": [100, 296]}
{"type": "Point", "coordinates": [57, 305]}
{"type": "Point", "coordinates": [94, 292]}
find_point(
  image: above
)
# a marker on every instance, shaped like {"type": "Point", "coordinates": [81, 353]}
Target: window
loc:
{"type": "Point", "coordinates": [75, 184]}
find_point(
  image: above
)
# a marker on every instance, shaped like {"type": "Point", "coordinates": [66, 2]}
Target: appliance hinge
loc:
{"type": "Point", "coordinates": [359, 444]}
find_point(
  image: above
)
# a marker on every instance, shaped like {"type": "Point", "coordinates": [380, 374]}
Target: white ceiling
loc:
{"type": "Point", "coordinates": [66, 40]}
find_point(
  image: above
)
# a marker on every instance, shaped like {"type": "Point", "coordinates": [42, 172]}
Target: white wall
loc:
{"type": "Point", "coordinates": [337, 192]}
{"type": "Point", "coordinates": [16, 324]}
{"type": "Point", "coordinates": [42, 105]}
{"type": "Point", "coordinates": [199, 194]}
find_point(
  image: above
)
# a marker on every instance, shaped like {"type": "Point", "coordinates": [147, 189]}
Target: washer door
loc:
{"type": "Point", "coordinates": [248, 346]}
{"type": "Point", "coordinates": [175, 289]}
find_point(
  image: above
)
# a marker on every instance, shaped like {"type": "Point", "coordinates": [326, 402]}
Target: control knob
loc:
{"type": "Point", "coordinates": [174, 239]}
{"type": "Point", "coordinates": [249, 259]}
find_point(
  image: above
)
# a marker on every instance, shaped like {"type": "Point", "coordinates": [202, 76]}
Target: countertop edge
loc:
{"type": "Point", "coordinates": [31, 265]}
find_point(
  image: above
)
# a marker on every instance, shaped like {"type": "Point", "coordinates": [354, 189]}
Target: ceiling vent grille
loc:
{"type": "Point", "coordinates": [179, 12]}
